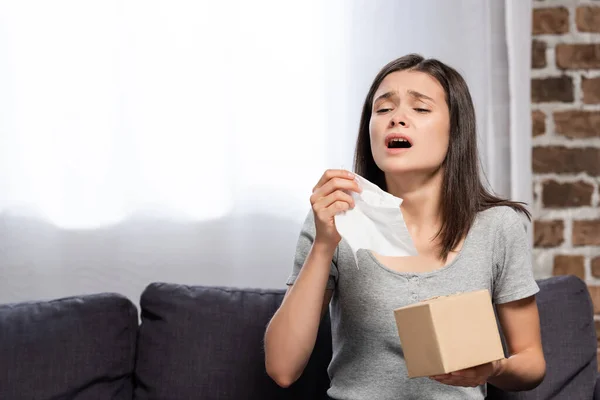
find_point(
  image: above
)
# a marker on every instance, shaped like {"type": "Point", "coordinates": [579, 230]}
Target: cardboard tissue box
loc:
{"type": "Point", "coordinates": [448, 333]}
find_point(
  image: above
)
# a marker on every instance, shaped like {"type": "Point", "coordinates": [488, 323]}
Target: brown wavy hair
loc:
{"type": "Point", "coordinates": [463, 193]}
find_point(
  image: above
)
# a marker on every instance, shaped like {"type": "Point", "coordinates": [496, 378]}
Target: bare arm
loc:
{"type": "Point", "coordinates": [291, 334]}
{"type": "Point", "coordinates": [526, 367]}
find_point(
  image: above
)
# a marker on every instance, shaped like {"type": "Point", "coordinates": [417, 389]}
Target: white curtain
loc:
{"type": "Point", "coordinates": [179, 141]}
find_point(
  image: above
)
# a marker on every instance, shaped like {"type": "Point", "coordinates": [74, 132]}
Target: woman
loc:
{"type": "Point", "coordinates": [417, 141]}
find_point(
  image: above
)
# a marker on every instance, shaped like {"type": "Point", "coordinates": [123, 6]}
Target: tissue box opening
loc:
{"type": "Point", "coordinates": [448, 333]}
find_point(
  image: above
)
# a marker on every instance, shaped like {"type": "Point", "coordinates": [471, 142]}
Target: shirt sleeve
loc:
{"type": "Point", "coordinates": [513, 277]}
{"type": "Point", "coordinates": [303, 246]}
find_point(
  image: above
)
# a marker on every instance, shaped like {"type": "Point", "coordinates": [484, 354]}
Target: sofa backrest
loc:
{"type": "Point", "coordinates": [207, 343]}
{"type": "Point", "coordinates": [74, 348]}
{"type": "Point", "coordinates": [569, 341]}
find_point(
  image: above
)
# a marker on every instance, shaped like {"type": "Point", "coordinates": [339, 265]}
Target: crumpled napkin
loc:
{"type": "Point", "coordinates": [375, 223]}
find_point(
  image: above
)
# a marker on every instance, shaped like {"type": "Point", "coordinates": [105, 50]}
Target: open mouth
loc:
{"type": "Point", "coordinates": [398, 143]}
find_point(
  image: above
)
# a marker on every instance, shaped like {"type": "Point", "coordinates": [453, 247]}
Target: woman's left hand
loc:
{"type": "Point", "coordinates": [471, 377]}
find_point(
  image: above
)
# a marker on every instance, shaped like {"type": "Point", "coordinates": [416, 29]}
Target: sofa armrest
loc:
{"type": "Point", "coordinates": [597, 388]}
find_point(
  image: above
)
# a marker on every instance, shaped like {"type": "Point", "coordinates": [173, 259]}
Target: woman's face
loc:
{"type": "Point", "coordinates": [410, 123]}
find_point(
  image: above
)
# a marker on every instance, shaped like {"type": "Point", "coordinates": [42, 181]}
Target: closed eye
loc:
{"type": "Point", "coordinates": [421, 110]}
{"type": "Point", "coordinates": [383, 110]}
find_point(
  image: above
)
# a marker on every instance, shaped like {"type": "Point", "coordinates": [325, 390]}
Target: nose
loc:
{"type": "Point", "coordinates": [398, 119]}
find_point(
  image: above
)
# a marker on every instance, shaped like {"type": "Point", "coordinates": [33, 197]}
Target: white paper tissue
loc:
{"type": "Point", "coordinates": [375, 223]}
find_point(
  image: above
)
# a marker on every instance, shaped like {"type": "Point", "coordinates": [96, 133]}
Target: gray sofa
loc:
{"type": "Point", "coordinates": [199, 342]}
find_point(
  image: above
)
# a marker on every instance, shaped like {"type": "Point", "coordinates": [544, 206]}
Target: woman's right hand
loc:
{"type": "Point", "coordinates": [328, 199]}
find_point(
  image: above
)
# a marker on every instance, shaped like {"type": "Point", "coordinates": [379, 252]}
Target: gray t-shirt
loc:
{"type": "Point", "coordinates": [368, 361]}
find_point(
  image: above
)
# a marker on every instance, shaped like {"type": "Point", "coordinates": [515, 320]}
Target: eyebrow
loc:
{"type": "Point", "coordinates": [413, 93]}
{"type": "Point", "coordinates": [420, 95]}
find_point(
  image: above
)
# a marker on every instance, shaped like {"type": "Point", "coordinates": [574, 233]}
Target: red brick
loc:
{"type": "Point", "coordinates": [587, 19]}
{"type": "Point", "coordinates": [538, 120]}
{"type": "Point", "coordinates": [578, 56]}
{"type": "Point", "coordinates": [550, 20]}
{"type": "Point", "coordinates": [563, 160]}
{"type": "Point", "coordinates": [586, 233]}
{"type": "Point", "coordinates": [548, 233]}
{"type": "Point", "coordinates": [558, 89]}
{"type": "Point", "coordinates": [577, 124]}
{"type": "Point", "coordinates": [595, 266]}
{"type": "Point", "coordinates": [595, 294]}
{"type": "Point", "coordinates": [591, 90]}
{"type": "Point", "coordinates": [564, 195]}
{"type": "Point", "coordinates": [569, 265]}
{"type": "Point", "coordinates": [538, 54]}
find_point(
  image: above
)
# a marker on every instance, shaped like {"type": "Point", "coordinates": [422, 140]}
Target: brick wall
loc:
{"type": "Point", "coordinates": [565, 96]}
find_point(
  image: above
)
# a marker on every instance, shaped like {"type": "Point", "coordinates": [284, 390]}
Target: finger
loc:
{"type": "Point", "coordinates": [463, 379]}
{"type": "Point", "coordinates": [328, 203]}
{"type": "Point", "coordinates": [467, 373]}
{"type": "Point", "coordinates": [447, 382]}
{"type": "Point", "coordinates": [333, 186]}
{"type": "Point", "coordinates": [467, 382]}
{"type": "Point", "coordinates": [485, 369]}
{"type": "Point", "coordinates": [337, 184]}
{"type": "Point", "coordinates": [446, 377]}
{"type": "Point", "coordinates": [326, 197]}
{"type": "Point", "coordinates": [334, 209]}
{"type": "Point", "coordinates": [460, 382]}
{"type": "Point", "coordinates": [333, 173]}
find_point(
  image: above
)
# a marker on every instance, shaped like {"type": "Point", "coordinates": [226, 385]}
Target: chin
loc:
{"type": "Point", "coordinates": [404, 168]}
{"type": "Point", "coordinates": [399, 171]}
{"type": "Point", "coordinates": [398, 166]}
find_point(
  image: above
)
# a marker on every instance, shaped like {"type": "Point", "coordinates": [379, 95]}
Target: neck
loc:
{"type": "Point", "coordinates": [421, 195]}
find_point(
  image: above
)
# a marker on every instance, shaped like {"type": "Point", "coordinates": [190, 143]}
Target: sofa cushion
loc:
{"type": "Point", "coordinates": [569, 341]}
{"type": "Point", "coordinates": [74, 348]}
{"type": "Point", "coordinates": [207, 343]}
